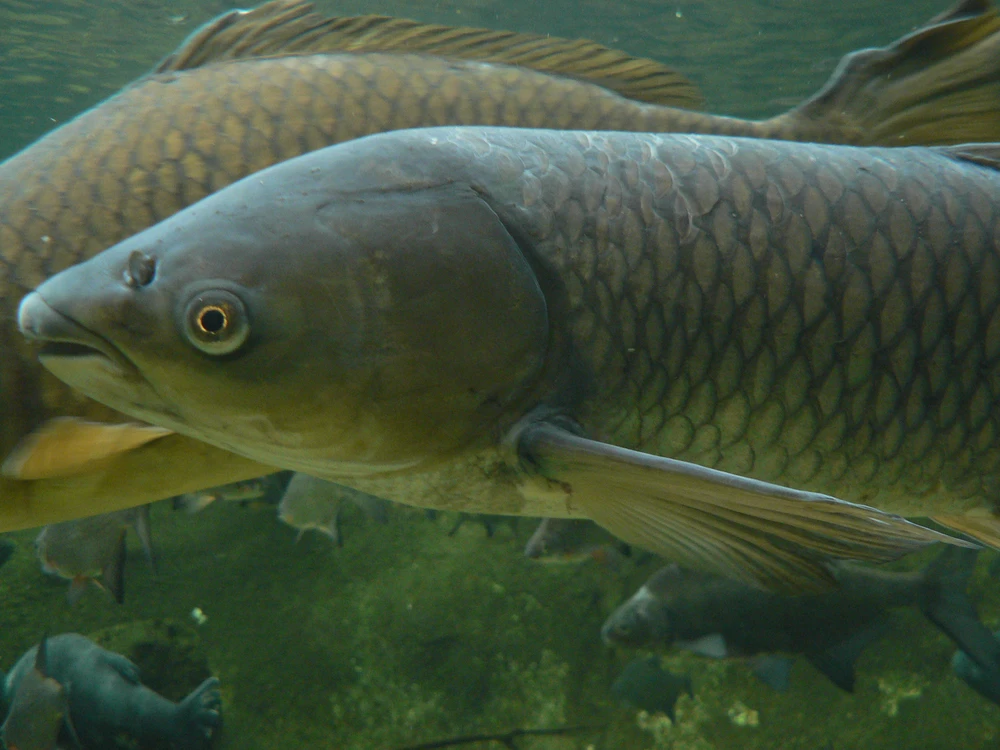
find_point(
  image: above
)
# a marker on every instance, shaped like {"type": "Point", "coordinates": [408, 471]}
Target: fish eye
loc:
{"type": "Point", "coordinates": [216, 322]}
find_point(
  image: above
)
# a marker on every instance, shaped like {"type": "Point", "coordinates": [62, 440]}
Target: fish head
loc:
{"type": "Point", "coordinates": [641, 621]}
{"type": "Point", "coordinates": [331, 311]}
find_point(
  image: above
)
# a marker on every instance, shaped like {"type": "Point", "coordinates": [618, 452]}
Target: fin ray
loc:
{"type": "Point", "coordinates": [64, 446]}
{"type": "Point", "coordinates": [289, 27]}
{"type": "Point", "coordinates": [759, 533]}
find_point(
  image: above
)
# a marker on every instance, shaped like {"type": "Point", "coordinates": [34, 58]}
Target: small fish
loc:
{"type": "Point", "coordinates": [310, 503]}
{"type": "Point", "coordinates": [250, 89]}
{"type": "Point", "coordinates": [265, 490]}
{"type": "Point", "coordinates": [104, 703]}
{"type": "Point", "coordinates": [573, 541]}
{"type": "Point", "coordinates": [984, 681]}
{"type": "Point", "coordinates": [720, 618]}
{"type": "Point", "coordinates": [39, 706]}
{"type": "Point", "coordinates": [647, 686]}
{"type": "Point", "coordinates": [88, 548]}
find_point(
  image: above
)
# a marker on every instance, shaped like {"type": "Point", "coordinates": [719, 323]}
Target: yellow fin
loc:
{"type": "Point", "coordinates": [759, 533]}
{"type": "Point", "coordinates": [939, 85]}
{"type": "Point", "coordinates": [68, 445]}
{"type": "Point", "coordinates": [170, 466]}
{"type": "Point", "coordinates": [288, 27]}
{"type": "Point", "coordinates": [984, 529]}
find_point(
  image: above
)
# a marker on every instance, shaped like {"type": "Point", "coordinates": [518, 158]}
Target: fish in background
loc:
{"type": "Point", "coordinates": [489, 521]}
{"type": "Point", "coordinates": [92, 550]}
{"type": "Point", "coordinates": [645, 685]}
{"type": "Point", "coordinates": [253, 88]}
{"type": "Point", "coordinates": [309, 503]}
{"type": "Point", "coordinates": [266, 490]}
{"type": "Point", "coordinates": [38, 706]}
{"type": "Point", "coordinates": [70, 683]}
{"type": "Point", "coordinates": [983, 680]}
{"type": "Point", "coordinates": [573, 541]}
{"type": "Point", "coordinates": [7, 549]}
{"type": "Point", "coordinates": [721, 618]}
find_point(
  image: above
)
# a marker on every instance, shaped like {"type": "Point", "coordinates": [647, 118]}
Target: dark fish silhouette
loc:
{"type": "Point", "coordinates": [722, 618]}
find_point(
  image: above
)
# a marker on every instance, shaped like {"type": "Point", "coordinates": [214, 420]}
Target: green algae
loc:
{"type": "Point", "coordinates": [751, 59]}
{"type": "Point", "coordinates": [406, 634]}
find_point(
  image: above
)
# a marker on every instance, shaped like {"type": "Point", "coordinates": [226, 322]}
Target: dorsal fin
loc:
{"type": "Point", "coordinates": [41, 656]}
{"type": "Point", "coordinates": [289, 27]}
{"type": "Point", "coordinates": [983, 154]}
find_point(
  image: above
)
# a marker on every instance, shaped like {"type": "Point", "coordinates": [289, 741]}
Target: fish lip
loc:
{"type": "Point", "coordinates": [62, 337]}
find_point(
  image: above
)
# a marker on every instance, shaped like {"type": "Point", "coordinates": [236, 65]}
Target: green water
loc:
{"type": "Point", "coordinates": [406, 634]}
{"type": "Point", "coordinates": [750, 58]}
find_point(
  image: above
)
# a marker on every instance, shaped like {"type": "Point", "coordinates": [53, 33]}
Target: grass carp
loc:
{"type": "Point", "coordinates": [716, 617]}
{"type": "Point", "coordinates": [252, 89]}
{"type": "Point", "coordinates": [641, 329]}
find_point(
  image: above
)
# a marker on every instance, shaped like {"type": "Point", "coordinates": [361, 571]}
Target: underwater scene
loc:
{"type": "Point", "coordinates": [650, 399]}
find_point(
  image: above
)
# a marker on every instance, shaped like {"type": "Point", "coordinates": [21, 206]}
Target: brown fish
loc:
{"type": "Point", "coordinates": [680, 337]}
{"type": "Point", "coordinates": [251, 89]}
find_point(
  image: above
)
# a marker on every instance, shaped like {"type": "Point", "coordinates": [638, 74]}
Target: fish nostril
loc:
{"type": "Point", "coordinates": [140, 269]}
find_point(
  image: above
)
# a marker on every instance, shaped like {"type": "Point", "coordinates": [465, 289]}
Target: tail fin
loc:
{"type": "Point", "coordinates": [948, 606]}
{"type": "Point", "coordinates": [936, 86]}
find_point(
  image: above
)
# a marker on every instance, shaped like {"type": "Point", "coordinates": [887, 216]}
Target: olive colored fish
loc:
{"type": "Point", "coordinates": [623, 327]}
{"type": "Point", "coordinates": [251, 89]}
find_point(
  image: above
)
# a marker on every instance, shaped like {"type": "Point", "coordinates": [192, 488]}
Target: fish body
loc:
{"type": "Point", "coordinates": [259, 490]}
{"type": "Point", "coordinates": [984, 681]}
{"type": "Point", "coordinates": [38, 706]}
{"type": "Point", "coordinates": [107, 704]}
{"type": "Point", "coordinates": [251, 89]}
{"type": "Point", "coordinates": [721, 618]}
{"type": "Point", "coordinates": [540, 322]}
{"type": "Point", "coordinates": [646, 686]}
{"type": "Point", "coordinates": [87, 549]}
{"type": "Point", "coordinates": [310, 503]}
{"type": "Point", "coordinates": [572, 541]}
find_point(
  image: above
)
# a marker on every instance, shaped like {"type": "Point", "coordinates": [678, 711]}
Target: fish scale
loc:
{"type": "Point", "coordinates": [796, 316]}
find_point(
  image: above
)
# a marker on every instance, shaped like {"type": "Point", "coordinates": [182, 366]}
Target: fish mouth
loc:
{"type": "Point", "coordinates": [64, 339]}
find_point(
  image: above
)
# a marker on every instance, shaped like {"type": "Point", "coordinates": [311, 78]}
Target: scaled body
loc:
{"type": "Point", "coordinates": [252, 89]}
{"type": "Point", "coordinates": [820, 317]}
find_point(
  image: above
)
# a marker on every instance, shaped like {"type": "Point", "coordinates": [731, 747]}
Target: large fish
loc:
{"type": "Point", "coordinates": [251, 89]}
{"type": "Point", "coordinates": [536, 322]}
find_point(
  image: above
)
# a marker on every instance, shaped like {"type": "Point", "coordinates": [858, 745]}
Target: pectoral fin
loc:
{"type": "Point", "coordinates": [760, 533]}
{"type": "Point", "coordinates": [67, 445]}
